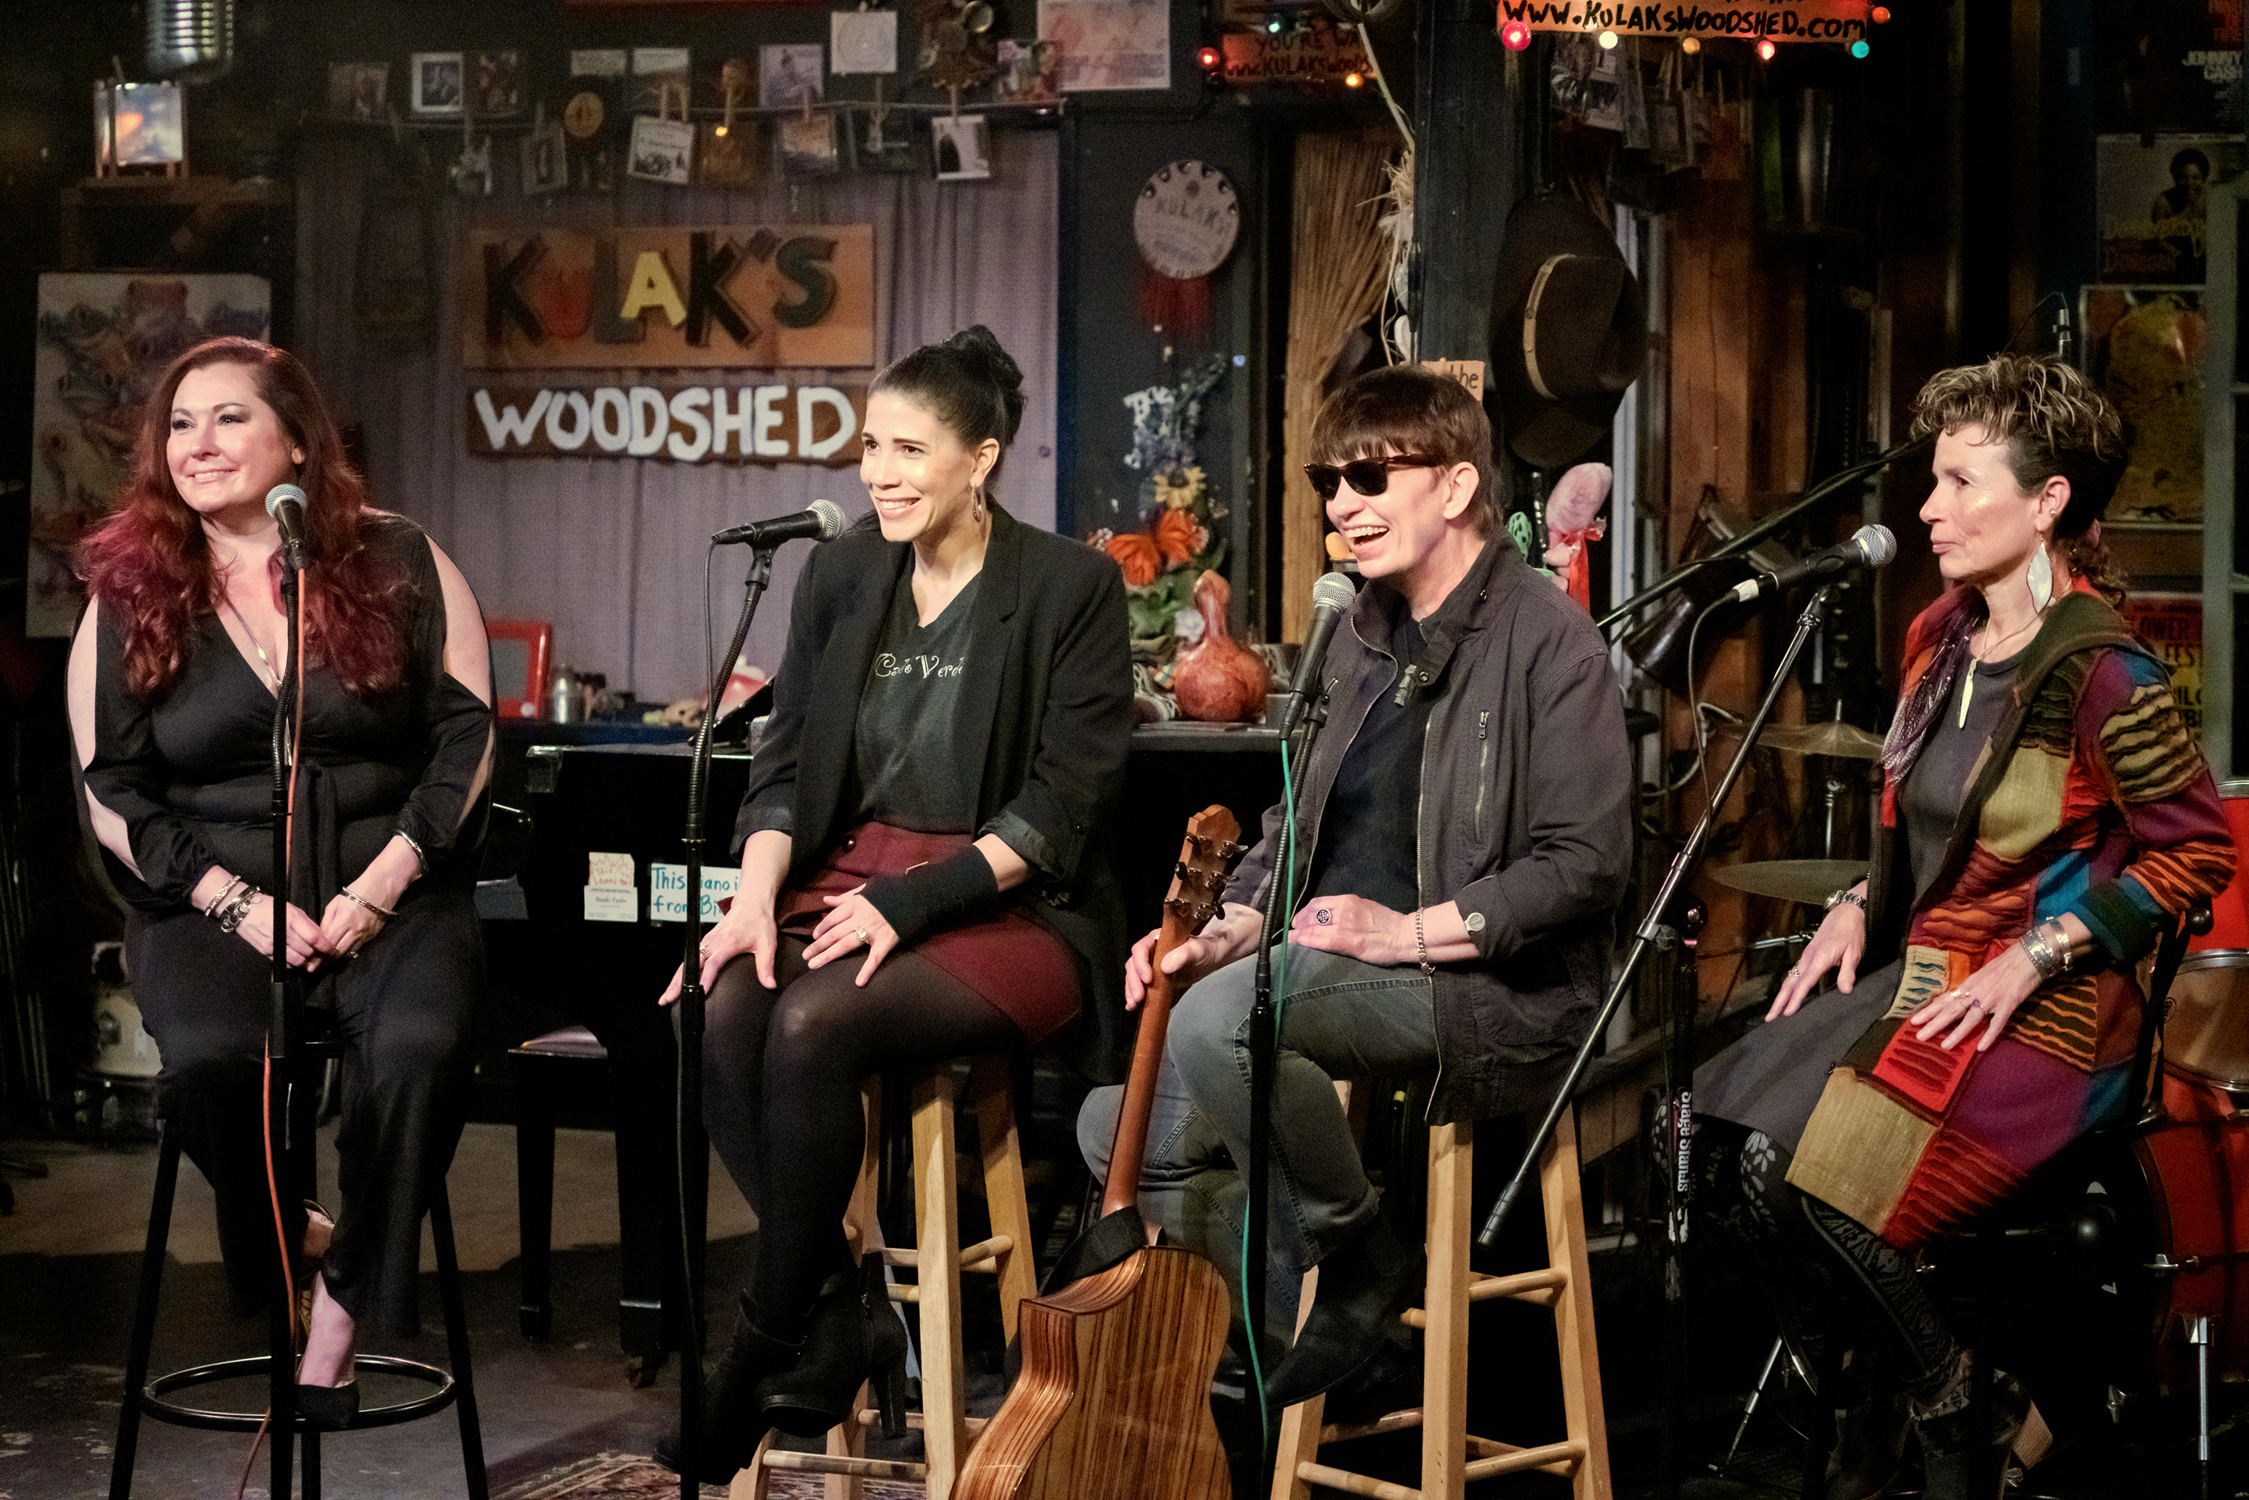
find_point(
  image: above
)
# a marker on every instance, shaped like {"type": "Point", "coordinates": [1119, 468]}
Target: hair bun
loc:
{"type": "Point", "coordinates": [978, 348]}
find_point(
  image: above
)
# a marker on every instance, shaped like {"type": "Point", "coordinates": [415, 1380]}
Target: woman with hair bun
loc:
{"type": "Point", "coordinates": [2046, 816]}
{"type": "Point", "coordinates": [921, 877]}
{"type": "Point", "coordinates": [172, 684]}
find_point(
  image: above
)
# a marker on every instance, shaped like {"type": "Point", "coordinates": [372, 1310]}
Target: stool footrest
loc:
{"type": "Point", "coordinates": [213, 1419]}
{"type": "Point", "coordinates": [837, 1463]}
{"type": "Point", "coordinates": [984, 1255]}
{"type": "Point", "coordinates": [870, 1417]}
{"type": "Point", "coordinates": [1354, 1484]}
{"type": "Point", "coordinates": [1554, 1458]}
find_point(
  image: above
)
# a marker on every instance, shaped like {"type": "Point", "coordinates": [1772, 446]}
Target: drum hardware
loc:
{"type": "Point", "coordinates": [1808, 882]}
{"type": "Point", "coordinates": [1829, 737]}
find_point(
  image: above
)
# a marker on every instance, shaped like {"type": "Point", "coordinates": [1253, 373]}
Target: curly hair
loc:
{"type": "Point", "coordinates": [1409, 409]}
{"type": "Point", "coordinates": [152, 563]}
{"type": "Point", "coordinates": [2054, 423]}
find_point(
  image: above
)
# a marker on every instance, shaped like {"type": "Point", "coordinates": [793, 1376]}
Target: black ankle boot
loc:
{"type": "Point", "coordinates": [1964, 1444]}
{"type": "Point", "coordinates": [1869, 1445]}
{"type": "Point", "coordinates": [732, 1426]}
{"type": "Point", "coordinates": [1363, 1284]}
{"type": "Point", "coordinates": [855, 1338]}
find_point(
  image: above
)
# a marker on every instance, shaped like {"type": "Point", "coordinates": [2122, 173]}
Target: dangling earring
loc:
{"type": "Point", "coordinates": [977, 502]}
{"type": "Point", "coordinates": [2041, 579]}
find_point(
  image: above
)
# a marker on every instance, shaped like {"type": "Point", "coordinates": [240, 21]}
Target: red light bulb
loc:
{"type": "Point", "coordinates": [1209, 59]}
{"type": "Point", "coordinates": [1766, 49]}
{"type": "Point", "coordinates": [1515, 36]}
{"type": "Point", "coordinates": [1880, 14]}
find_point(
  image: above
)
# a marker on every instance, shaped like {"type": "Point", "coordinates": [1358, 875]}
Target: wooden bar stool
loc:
{"type": "Point", "coordinates": [938, 1259]}
{"type": "Point", "coordinates": [1451, 1456]}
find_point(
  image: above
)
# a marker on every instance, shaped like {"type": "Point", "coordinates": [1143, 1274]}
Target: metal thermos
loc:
{"type": "Point", "coordinates": [562, 698]}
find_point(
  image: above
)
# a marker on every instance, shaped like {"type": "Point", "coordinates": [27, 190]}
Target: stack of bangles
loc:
{"type": "Point", "coordinates": [232, 904]}
{"type": "Point", "coordinates": [2047, 947]}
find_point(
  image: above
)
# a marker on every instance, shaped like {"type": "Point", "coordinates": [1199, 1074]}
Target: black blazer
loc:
{"type": "Point", "coordinates": [1051, 729]}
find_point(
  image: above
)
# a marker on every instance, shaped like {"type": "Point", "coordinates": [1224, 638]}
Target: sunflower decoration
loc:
{"type": "Point", "coordinates": [1176, 540]}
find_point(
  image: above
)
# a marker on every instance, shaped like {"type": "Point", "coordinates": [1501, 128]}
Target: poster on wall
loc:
{"type": "Point", "coordinates": [2171, 624]}
{"type": "Point", "coordinates": [102, 342]}
{"type": "Point", "coordinates": [2143, 348]}
{"type": "Point", "coordinates": [761, 296]}
{"type": "Point", "coordinates": [2165, 66]}
{"type": "Point", "coordinates": [2152, 201]}
{"type": "Point", "coordinates": [1109, 44]}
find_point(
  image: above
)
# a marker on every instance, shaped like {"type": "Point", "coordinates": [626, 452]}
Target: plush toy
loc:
{"type": "Point", "coordinates": [1573, 518]}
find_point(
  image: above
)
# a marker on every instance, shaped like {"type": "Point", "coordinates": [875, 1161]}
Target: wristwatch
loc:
{"type": "Point", "coordinates": [1845, 897]}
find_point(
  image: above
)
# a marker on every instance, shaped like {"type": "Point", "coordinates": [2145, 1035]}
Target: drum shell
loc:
{"type": "Point", "coordinates": [2206, 1034]}
{"type": "Point", "coordinates": [2229, 912]}
{"type": "Point", "coordinates": [2197, 1178]}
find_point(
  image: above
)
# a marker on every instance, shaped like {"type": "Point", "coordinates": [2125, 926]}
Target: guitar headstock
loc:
{"type": "Point", "coordinates": [1211, 841]}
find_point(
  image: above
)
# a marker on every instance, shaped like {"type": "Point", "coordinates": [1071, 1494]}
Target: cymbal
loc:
{"type": "Point", "coordinates": [1809, 881]}
{"type": "Point", "coordinates": [1843, 741]}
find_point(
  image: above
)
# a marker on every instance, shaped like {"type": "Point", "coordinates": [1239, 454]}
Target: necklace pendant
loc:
{"type": "Point", "coordinates": [1967, 693]}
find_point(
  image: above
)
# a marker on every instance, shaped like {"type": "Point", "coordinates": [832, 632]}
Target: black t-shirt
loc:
{"type": "Point", "coordinates": [1929, 802]}
{"type": "Point", "coordinates": [911, 772]}
{"type": "Point", "coordinates": [1368, 832]}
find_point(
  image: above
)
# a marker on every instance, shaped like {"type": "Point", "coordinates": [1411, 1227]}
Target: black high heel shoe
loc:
{"type": "Point", "coordinates": [732, 1425]}
{"type": "Point", "coordinates": [330, 1407]}
{"type": "Point", "coordinates": [855, 1338]}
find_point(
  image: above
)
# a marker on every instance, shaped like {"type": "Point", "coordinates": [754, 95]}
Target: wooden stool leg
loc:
{"type": "Point", "coordinates": [1004, 1196]}
{"type": "Point", "coordinates": [1573, 1310]}
{"type": "Point", "coordinates": [1444, 1350]}
{"type": "Point", "coordinates": [937, 1221]}
{"type": "Point", "coordinates": [862, 1226]}
{"type": "Point", "coordinates": [1299, 1441]}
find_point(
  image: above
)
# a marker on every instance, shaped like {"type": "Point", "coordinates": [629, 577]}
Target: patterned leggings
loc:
{"type": "Point", "coordinates": [1848, 1304]}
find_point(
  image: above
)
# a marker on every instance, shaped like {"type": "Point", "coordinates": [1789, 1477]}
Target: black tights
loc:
{"type": "Point", "coordinates": [1837, 1286]}
{"type": "Point", "coordinates": [781, 1074]}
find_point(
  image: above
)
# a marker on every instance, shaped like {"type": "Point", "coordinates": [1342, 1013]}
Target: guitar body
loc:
{"type": "Point", "coordinates": [1114, 1399]}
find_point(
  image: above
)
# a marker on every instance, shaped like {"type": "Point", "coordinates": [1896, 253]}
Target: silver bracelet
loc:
{"type": "Point", "coordinates": [239, 908]}
{"type": "Point", "coordinates": [421, 860]}
{"type": "Point", "coordinates": [1421, 944]}
{"type": "Point", "coordinates": [1847, 896]}
{"type": "Point", "coordinates": [225, 891]}
{"type": "Point", "coordinates": [366, 905]}
{"type": "Point", "coordinates": [2048, 959]}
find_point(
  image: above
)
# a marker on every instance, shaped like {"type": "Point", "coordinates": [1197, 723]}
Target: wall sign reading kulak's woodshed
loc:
{"type": "Point", "coordinates": [724, 297]}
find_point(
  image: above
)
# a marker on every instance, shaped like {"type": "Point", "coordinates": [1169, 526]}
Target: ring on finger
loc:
{"type": "Point", "coordinates": [861, 934]}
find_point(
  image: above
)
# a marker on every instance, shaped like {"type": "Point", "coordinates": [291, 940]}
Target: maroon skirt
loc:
{"type": "Point", "coordinates": [1010, 958]}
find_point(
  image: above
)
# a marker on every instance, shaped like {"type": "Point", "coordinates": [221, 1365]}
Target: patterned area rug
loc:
{"type": "Point", "coordinates": [632, 1476]}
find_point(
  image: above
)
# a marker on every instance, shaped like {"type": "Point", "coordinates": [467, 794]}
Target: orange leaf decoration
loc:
{"type": "Point", "coordinates": [1136, 554]}
{"type": "Point", "coordinates": [1177, 537]}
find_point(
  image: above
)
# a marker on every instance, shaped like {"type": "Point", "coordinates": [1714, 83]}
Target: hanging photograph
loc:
{"type": "Point", "coordinates": [437, 83]}
{"type": "Point", "coordinates": [660, 74]}
{"type": "Point", "coordinates": [882, 140]}
{"type": "Point", "coordinates": [496, 84]}
{"type": "Point", "coordinates": [2152, 201]}
{"type": "Point", "coordinates": [863, 41]}
{"type": "Point", "coordinates": [789, 77]}
{"type": "Point", "coordinates": [358, 91]}
{"type": "Point", "coordinates": [1109, 44]}
{"type": "Point", "coordinates": [2143, 348]}
{"type": "Point", "coordinates": [662, 151]}
{"type": "Point", "coordinates": [1030, 73]}
{"type": "Point", "coordinates": [104, 339]}
{"type": "Point", "coordinates": [962, 148]}
{"type": "Point", "coordinates": [807, 144]}
{"type": "Point", "coordinates": [546, 160]}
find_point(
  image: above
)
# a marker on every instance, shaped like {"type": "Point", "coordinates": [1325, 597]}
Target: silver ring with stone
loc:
{"type": "Point", "coordinates": [1323, 916]}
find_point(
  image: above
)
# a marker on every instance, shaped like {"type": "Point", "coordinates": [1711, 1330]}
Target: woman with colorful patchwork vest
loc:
{"type": "Point", "coordinates": [2045, 816]}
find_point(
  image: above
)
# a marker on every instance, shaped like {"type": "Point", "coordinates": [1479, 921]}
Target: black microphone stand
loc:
{"type": "Point", "coordinates": [1734, 546]}
{"type": "Point", "coordinates": [1263, 1025]}
{"type": "Point", "coordinates": [692, 1146]}
{"type": "Point", "coordinates": [282, 1027]}
{"type": "Point", "coordinates": [1658, 928]}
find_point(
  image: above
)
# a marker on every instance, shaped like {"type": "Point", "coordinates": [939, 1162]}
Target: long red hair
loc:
{"type": "Point", "coordinates": [151, 560]}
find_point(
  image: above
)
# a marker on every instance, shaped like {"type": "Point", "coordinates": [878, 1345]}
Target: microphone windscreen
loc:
{"type": "Point", "coordinates": [280, 495]}
{"type": "Point", "coordinates": [1879, 544]}
{"type": "Point", "coordinates": [1333, 591]}
{"type": "Point", "coordinates": [831, 518]}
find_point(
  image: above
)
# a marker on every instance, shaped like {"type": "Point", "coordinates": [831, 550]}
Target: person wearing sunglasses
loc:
{"type": "Point", "coordinates": [1464, 834]}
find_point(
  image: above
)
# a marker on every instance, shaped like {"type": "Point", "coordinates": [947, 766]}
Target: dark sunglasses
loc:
{"type": "Point", "coordinates": [1368, 476]}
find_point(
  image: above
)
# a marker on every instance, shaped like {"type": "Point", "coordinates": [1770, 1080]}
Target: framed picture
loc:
{"type": "Point", "coordinates": [2151, 198]}
{"type": "Point", "coordinates": [883, 141]}
{"type": "Point", "coordinates": [790, 76]}
{"type": "Point", "coordinates": [546, 160]}
{"type": "Point", "coordinates": [2143, 349]}
{"type": "Point", "coordinates": [962, 148]}
{"type": "Point", "coordinates": [1030, 72]}
{"type": "Point", "coordinates": [496, 84]}
{"type": "Point", "coordinates": [662, 151]}
{"type": "Point", "coordinates": [358, 91]}
{"type": "Point", "coordinates": [438, 83]}
{"type": "Point", "coordinates": [661, 75]}
{"type": "Point", "coordinates": [863, 41]}
{"type": "Point", "coordinates": [807, 144]}
{"type": "Point", "coordinates": [147, 117]}
{"type": "Point", "coordinates": [519, 650]}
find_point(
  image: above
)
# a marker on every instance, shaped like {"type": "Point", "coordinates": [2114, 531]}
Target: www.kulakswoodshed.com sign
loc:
{"type": "Point", "coordinates": [724, 297]}
{"type": "Point", "coordinates": [1781, 20]}
{"type": "Point", "coordinates": [768, 423]}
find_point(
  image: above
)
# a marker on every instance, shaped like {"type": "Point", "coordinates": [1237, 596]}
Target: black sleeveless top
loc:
{"type": "Point", "coordinates": [189, 770]}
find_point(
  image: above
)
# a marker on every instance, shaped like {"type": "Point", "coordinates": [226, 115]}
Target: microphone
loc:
{"type": "Point", "coordinates": [2065, 334]}
{"type": "Point", "coordinates": [1869, 547]}
{"type": "Point", "coordinates": [1331, 596]}
{"type": "Point", "coordinates": [821, 521]}
{"type": "Point", "coordinates": [286, 504]}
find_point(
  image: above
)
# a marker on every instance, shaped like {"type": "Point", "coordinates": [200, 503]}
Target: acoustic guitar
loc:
{"type": "Point", "coordinates": [1114, 1399]}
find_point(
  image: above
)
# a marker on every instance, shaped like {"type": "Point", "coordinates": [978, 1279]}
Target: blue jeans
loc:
{"type": "Point", "coordinates": [1339, 1018]}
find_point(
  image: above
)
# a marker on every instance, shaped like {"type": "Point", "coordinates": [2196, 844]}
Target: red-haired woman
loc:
{"type": "Point", "coordinates": [172, 683]}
